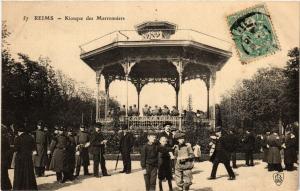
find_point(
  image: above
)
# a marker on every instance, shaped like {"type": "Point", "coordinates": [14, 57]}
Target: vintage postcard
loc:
{"type": "Point", "coordinates": [152, 95]}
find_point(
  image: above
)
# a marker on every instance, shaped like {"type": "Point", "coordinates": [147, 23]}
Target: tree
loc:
{"type": "Point", "coordinates": [255, 103]}
{"type": "Point", "coordinates": [269, 98]}
{"type": "Point", "coordinates": [33, 90]}
{"type": "Point", "coordinates": [291, 93]}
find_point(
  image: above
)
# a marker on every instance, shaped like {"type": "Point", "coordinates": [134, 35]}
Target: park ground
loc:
{"type": "Point", "coordinates": [255, 178]}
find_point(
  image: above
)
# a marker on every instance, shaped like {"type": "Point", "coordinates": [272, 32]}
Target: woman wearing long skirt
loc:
{"type": "Point", "coordinates": [5, 151]}
{"type": "Point", "coordinates": [24, 178]}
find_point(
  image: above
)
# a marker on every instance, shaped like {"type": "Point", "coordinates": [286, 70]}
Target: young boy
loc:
{"type": "Point", "coordinates": [149, 161]}
{"type": "Point", "coordinates": [197, 152]}
{"type": "Point", "coordinates": [164, 163]}
{"type": "Point", "coordinates": [184, 163]}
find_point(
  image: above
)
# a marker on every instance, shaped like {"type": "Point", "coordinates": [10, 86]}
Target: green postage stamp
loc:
{"type": "Point", "coordinates": [253, 33]}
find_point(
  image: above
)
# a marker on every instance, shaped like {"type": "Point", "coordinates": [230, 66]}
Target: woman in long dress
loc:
{"type": "Point", "coordinates": [5, 149]}
{"type": "Point", "coordinates": [24, 178]}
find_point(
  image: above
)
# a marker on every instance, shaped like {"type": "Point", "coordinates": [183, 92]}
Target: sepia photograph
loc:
{"type": "Point", "coordinates": [150, 95]}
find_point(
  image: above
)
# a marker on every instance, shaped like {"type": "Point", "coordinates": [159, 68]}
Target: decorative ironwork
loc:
{"type": "Point", "coordinates": [156, 35]}
{"type": "Point", "coordinates": [156, 30]}
{"type": "Point", "coordinates": [109, 78]}
{"type": "Point", "coordinates": [141, 82]}
{"type": "Point", "coordinates": [152, 122]}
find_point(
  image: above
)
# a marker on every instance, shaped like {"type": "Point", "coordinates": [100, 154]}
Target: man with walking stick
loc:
{"type": "Point", "coordinates": [126, 144]}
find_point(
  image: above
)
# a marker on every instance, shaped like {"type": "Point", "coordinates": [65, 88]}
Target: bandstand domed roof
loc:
{"type": "Point", "coordinates": [153, 48]}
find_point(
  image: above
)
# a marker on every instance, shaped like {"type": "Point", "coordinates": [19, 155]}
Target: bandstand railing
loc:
{"type": "Point", "coordinates": [151, 122]}
{"type": "Point", "coordinates": [133, 36]}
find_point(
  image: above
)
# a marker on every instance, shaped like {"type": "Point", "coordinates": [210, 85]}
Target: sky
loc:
{"type": "Point", "coordinates": [59, 40]}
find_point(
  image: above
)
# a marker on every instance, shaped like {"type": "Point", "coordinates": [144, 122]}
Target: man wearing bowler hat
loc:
{"type": "Point", "coordinates": [126, 144]}
{"type": "Point", "coordinates": [221, 155]}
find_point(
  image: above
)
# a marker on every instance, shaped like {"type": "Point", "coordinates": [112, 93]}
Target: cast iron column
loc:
{"type": "Point", "coordinates": [98, 79]}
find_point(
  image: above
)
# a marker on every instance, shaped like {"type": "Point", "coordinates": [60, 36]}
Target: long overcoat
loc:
{"type": "Point", "coordinates": [265, 148]}
{"type": "Point", "coordinates": [126, 143]}
{"type": "Point", "coordinates": [274, 143]}
{"type": "Point", "coordinates": [41, 140]}
{"type": "Point", "coordinates": [96, 146]}
{"type": "Point", "coordinates": [249, 142]}
{"type": "Point", "coordinates": [221, 152]}
{"type": "Point", "coordinates": [81, 139]}
{"type": "Point", "coordinates": [24, 178]}
{"type": "Point", "coordinates": [290, 152]}
{"type": "Point", "coordinates": [70, 153]}
{"type": "Point", "coordinates": [59, 150]}
{"type": "Point", "coordinates": [5, 163]}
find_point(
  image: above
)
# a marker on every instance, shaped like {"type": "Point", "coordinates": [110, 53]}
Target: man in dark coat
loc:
{"type": "Point", "coordinates": [24, 178]}
{"type": "Point", "coordinates": [70, 154]}
{"type": "Point", "coordinates": [126, 144]}
{"type": "Point", "coordinates": [53, 139]}
{"type": "Point", "coordinates": [5, 162]}
{"type": "Point", "coordinates": [82, 141]}
{"type": "Point", "coordinates": [249, 144]}
{"type": "Point", "coordinates": [232, 143]}
{"type": "Point", "coordinates": [221, 155]}
{"type": "Point", "coordinates": [40, 158]}
{"type": "Point", "coordinates": [97, 150]}
{"type": "Point", "coordinates": [290, 150]}
{"type": "Point", "coordinates": [274, 157]}
{"type": "Point", "coordinates": [48, 138]}
{"type": "Point", "coordinates": [264, 146]}
{"type": "Point", "coordinates": [59, 162]}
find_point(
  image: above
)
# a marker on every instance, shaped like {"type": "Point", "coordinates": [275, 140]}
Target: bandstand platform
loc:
{"type": "Point", "coordinates": [156, 52]}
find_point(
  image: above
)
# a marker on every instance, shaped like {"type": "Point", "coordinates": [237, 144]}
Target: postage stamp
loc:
{"type": "Point", "coordinates": [253, 33]}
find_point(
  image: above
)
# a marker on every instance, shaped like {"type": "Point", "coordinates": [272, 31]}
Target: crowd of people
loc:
{"type": "Point", "coordinates": [61, 152]}
{"type": "Point", "coordinates": [224, 146]}
{"type": "Point", "coordinates": [165, 156]}
{"type": "Point", "coordinates": [147, 110]}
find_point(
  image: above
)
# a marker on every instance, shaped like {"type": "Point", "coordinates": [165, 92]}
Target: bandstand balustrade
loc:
{"type": "Point", "coordinates": [151, 122]}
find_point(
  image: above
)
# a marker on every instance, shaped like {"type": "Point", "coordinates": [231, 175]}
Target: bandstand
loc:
{"type": "Point", "coordinates": [157, 52]}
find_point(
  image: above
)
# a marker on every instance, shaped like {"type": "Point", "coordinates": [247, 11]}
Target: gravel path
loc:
{"type": "Point", "coordinates": [255, 178]}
